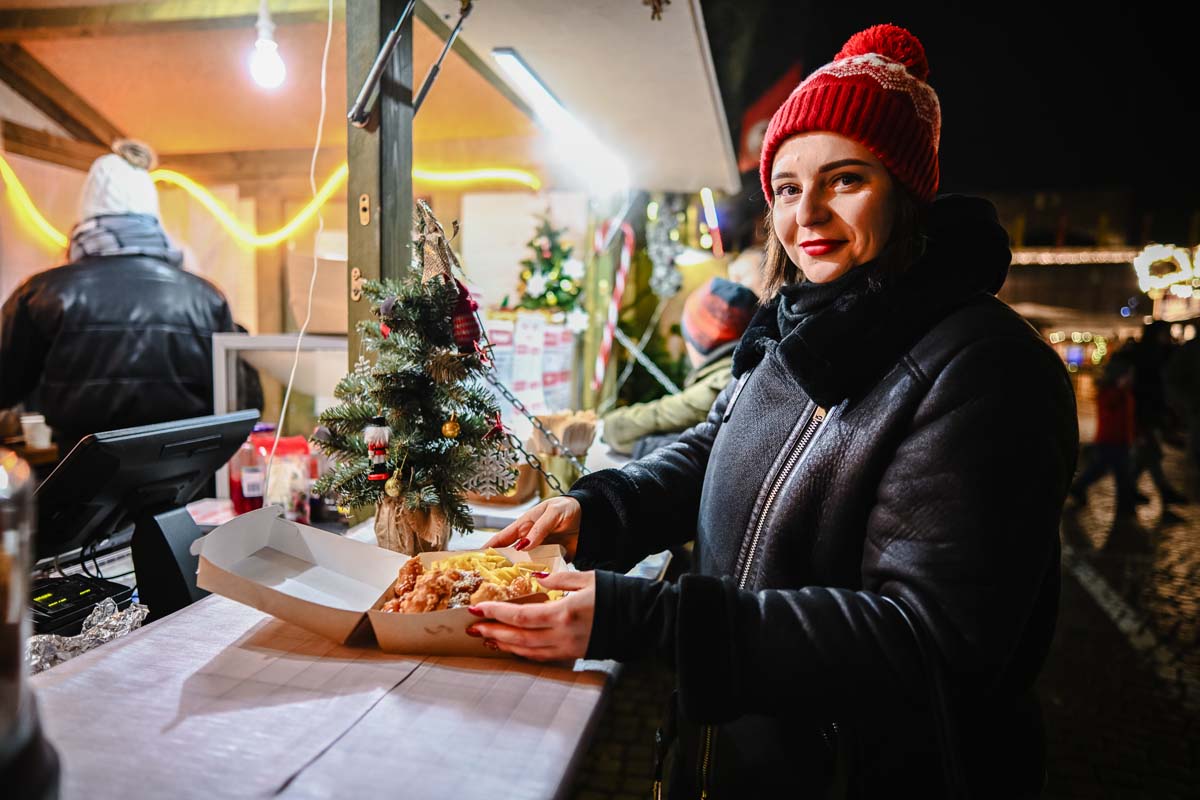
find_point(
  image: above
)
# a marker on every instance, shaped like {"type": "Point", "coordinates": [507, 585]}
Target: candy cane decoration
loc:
{"type": "Point", "coordinates": [614, 307]}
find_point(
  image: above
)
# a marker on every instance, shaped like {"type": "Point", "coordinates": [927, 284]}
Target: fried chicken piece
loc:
{"type": "Point", "coordinates": [391, 605]}
{"type": "Point", "coordinates": [521, 586]}
{"type": "Point", "coordinates": [407, 579]}
{"type": "Point", "coordinates": [468, 581]}
{"type": "Point", "coordinates": [489, 591]}
{"type": "Point", "coordinates": [432, 592]}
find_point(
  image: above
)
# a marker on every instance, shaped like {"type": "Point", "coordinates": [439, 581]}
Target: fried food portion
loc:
{"type": "Point", "coordinates": [462, 579]}
{"type": "Point", "coordinates": [490, 591]}
{"type": "Point", "coordinates": [407, 579]}
{"type": "Point", "coordinates": [431, 592]}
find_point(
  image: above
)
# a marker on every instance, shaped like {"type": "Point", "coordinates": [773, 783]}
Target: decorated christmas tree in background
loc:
{"type": "Point", "coordinates": [552, 278]}
{"type": "Point", "coordinates": [415, 430]}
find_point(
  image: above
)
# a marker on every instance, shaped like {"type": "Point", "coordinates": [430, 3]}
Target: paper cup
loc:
{"type": "Point", "coordinates": [36, 431]}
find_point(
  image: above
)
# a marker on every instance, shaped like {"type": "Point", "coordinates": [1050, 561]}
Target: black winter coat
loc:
{"type": "Point", "coordinates": [864, 467]}
{"type": "Point", "coordinates": [111, 342]}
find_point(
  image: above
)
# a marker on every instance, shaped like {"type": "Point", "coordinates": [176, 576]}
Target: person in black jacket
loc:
{"type": "Point", "coordinates": [121, 335]}
{"type": "Point", "coordinates": [874, 501]}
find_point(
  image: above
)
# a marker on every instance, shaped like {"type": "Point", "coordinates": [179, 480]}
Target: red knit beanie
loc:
{"type": "Point", "coordinates": [716, 313]}
{"type": "Point", "coordinates": [873, 92]}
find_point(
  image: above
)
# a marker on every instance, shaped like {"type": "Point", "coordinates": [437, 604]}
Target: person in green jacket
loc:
{"type": "Point", "coordinates": [714, 318]}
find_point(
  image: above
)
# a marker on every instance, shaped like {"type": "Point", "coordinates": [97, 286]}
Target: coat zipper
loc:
{"type": "Point", "coordinates": [806, 437]}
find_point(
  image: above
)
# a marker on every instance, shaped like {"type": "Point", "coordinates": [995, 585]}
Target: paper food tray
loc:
{"type": "Point", "coordinates": [333, 586]}
{"type": "Point", "coordinates": [312, 578]}
{"type": "Point", "coordinates": [444, 633]}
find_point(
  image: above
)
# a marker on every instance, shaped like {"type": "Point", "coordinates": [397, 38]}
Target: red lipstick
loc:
{"type": "Point", "coordinates": [820, 247]}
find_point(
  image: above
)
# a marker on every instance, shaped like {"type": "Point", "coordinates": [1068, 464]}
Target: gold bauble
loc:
{"type": "Point", "coordinates": [451, 429]}
{"type": "Point", "coordinates": [392, 487]}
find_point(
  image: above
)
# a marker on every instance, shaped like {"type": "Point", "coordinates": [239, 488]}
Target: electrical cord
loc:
{"type": "Point", "coordinates": [312, 182]}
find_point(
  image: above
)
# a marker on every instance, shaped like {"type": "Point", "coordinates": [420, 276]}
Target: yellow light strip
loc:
{"type": "Point", "coordinates": [25, 208]}
{"type": "Point", "coordinates": [235, 228]}
{"type": "Point", "coordinates": [477, 176]}
{"type": "Point", "coordinates": [30, 214]}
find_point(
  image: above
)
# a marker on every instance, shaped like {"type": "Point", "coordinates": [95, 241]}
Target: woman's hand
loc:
{"type": "Point", "coordinates": [551, 631]}
{"type": "Point", "coordinates": [554, 521]}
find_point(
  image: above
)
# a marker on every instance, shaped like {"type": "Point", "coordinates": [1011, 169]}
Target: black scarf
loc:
{"type": "Point", "coordinates": [839, 338]}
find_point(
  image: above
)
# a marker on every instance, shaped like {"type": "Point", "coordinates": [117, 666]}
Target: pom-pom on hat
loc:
{"type": "Point", "coordinates": [120, 183]}
{"type": "Point", "coordinates": [874, 92]}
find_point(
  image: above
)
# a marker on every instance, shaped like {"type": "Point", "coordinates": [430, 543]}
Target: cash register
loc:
{"type": "Point", "coordinates": [137, 479]}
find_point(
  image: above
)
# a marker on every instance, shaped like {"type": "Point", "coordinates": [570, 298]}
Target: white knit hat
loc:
{"type": "Point", "coordinates": [120, 184]}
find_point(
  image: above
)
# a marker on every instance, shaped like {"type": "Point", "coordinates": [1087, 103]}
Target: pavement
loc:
{"type": "Point", "coordinates": [1120, 688]}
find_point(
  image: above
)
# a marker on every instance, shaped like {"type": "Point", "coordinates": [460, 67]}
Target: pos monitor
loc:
{"type": "Point", "coordinates": [142, 477]}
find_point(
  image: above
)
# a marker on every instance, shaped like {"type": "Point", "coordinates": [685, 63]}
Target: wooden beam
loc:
{"type": "Point", "coordinates": [256, 167]}
{"type": "Point", "coordinates": [244, 166]}
{"type": "Point", "coordinates": [119, 19]}
{"type": "Point", "coordinates": [41, 87]}
{"type": "Point", "coordinates": [22, 140]}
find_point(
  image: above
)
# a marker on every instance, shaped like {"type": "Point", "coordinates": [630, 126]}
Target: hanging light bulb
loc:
{"type": "Point", "coordinates": [266, 65]}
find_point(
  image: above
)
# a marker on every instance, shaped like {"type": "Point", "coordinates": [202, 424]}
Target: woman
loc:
{"type": "Point", "coordinates": [874, 501]}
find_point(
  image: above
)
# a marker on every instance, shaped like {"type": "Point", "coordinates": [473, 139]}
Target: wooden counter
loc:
{"type": "Point", "coordinates": [222, 701]}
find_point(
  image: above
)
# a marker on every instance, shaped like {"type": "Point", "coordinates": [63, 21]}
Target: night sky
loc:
{"type": "Point", "coordinates": [1034, 96]}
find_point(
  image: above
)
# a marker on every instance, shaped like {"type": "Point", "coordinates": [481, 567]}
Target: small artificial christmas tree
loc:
{"type": "Point", "coordinates": [416, 430]}
{"type": "Point", "coordinates": [552, 278]}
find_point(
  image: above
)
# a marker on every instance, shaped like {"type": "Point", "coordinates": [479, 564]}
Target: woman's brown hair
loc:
{"type": "Point", "coordinates": [906, 245]}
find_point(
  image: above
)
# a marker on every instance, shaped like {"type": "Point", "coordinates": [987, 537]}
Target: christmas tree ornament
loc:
{"type": "Point", "coordinates": [392, 487]}
{"type": "Point", "coordinates": [450, 428]}
{"type": "Point", "coordinates": [465, 320]}
{"type": "Point", "coordinates": [385, 330]}
{"type": "Point", "coordinates": [573, 269]}
{"type": "Point", "coordinates": [376, 435]}
{"type": "Point", "coordinates": [536, 286]}
{"type": "Point", "coordinates": [495, 474]}
{"type": "Point", "coordinates": [577, 320]}
{"type": "Point", "coordinates": [663, 247]}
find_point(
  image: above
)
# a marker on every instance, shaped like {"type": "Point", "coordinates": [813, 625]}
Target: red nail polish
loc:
{"type": "Point", "coordinates": [475, 610]}
{"type": "Point", "coordinates": [541, 574]}
{"type": "Point", "coordinates": [472, 632]}
{"type": "Point", "coordinates": [489, 644]}
{"type": "Point", "coordinates": [521, 544]}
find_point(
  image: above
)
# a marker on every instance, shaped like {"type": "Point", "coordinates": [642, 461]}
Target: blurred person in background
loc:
{"type": "Point", "coordinates": [1115, 434]}
{"type": "Point", "coordinates": [120, 336]}
{"type": "Point", "coordinates": [714, 318]}
{"type": "Point", "coordinates": [1183, 391]}
{"type": "Point", "coordinates": [1150, 356]}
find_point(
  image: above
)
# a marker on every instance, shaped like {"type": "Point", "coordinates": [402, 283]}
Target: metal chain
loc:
{"type": "Point", "coordinates": [536, 463]}
{"type": "Point", "coordinates": [491, 377]}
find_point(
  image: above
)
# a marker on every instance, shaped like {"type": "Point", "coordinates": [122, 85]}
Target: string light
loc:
{"type": "Point", "coordinates": [32, 217]}
{"type": "Point", "coordinates": [25, 208]}
{"type": "Point", "coordinates": [1072, 257]}
{"type": "Point", "coordinates": [1159, 253]}
{"type": "Point", "coordinates": [486, 175]}
{"type": "Point", "coordinates": [231, 223]}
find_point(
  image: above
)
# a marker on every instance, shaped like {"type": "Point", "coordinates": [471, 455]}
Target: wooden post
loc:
{"type": "Point", "coordinates": [379, 189]}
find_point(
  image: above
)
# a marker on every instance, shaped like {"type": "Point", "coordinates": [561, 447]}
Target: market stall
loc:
{"type": "Point", "coordinates": [544, 217]}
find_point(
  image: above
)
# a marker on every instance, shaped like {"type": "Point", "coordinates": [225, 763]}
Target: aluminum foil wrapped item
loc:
{"type": "Point", "coordinates": [104, 624]}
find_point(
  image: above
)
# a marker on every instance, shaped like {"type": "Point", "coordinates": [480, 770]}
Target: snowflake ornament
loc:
{"type": "Point", "coordinates": [577, 320]}
{"type": "Point", "coordinates": [495, 473]}
{"type": "Point", "coordinates": [573, 269]}
{"type": "Point", "coordinates": [536, 285]}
